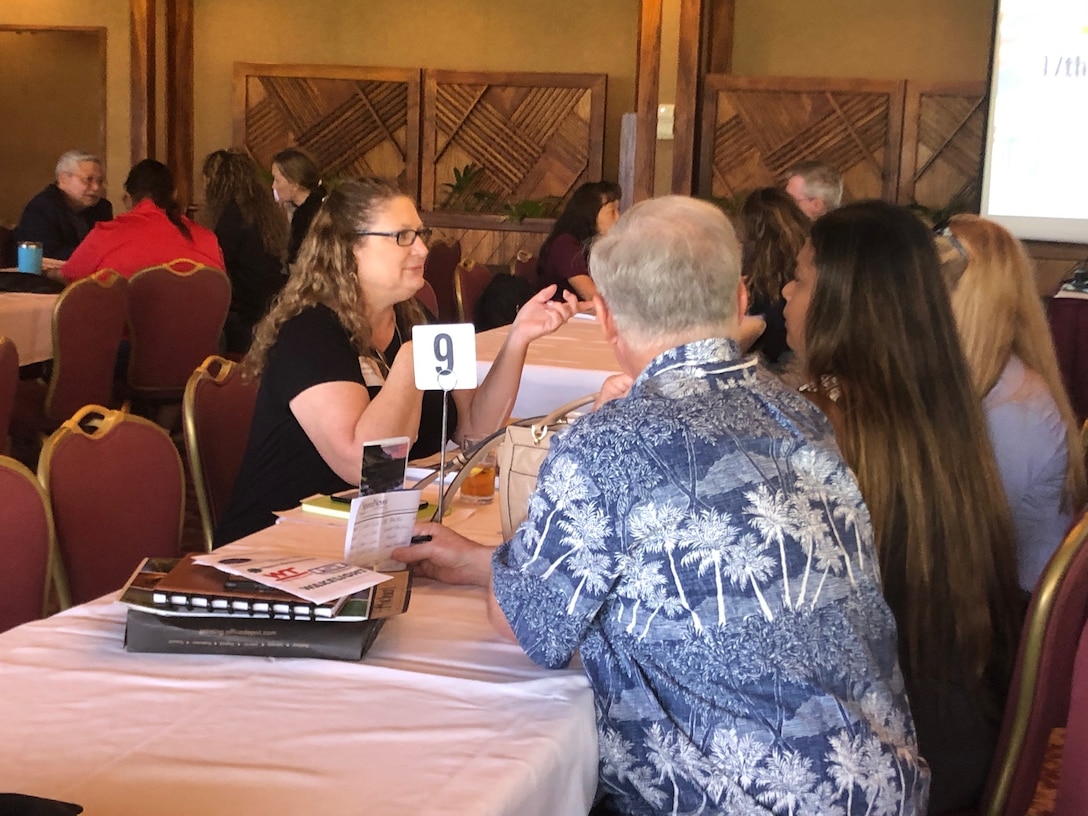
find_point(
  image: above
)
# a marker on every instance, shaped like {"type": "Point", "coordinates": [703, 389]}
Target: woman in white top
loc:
{"type": "Point", "coordinates": [1008, 345]}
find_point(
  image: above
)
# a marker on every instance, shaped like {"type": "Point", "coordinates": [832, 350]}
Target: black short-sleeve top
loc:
{"type": "Point", "coordinates": [281, 466]}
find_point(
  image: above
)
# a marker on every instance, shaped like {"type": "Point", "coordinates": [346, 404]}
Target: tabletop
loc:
{"type": "Point", "coordinates": [28, 320]}
{"type": "Point", "coordinates": [569, 363]}
{"type": "Point", "coordinates": [443, 716]}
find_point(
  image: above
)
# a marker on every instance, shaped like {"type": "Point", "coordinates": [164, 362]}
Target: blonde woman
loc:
{"type": "Point", "coordinates": [1008, 346]}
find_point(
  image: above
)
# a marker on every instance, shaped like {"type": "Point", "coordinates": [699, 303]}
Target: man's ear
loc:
{"type": "Point", "coordinates": [604, 317]}
{"type": "Point", "coordinates": [742, 300]}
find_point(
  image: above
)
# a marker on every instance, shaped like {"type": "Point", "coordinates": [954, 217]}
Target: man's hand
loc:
{"type": "Point", "coordinates": [615, 387]}
{"type": "Point", "coordinates": [448, 557]}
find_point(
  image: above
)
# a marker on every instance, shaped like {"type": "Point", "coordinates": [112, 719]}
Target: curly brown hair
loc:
{"type": "Point", "coordinates": [326, 271]}
{"type": "Point", "coordinates": [231, 175]}
{"type": "Point", "coordinates": [773, 229]}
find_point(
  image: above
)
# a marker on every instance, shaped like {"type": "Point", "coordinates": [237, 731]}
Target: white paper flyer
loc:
{"type": "Point", "coordinates": [315, 579]}
{"type": "Point", "coordinates": [378, 524]}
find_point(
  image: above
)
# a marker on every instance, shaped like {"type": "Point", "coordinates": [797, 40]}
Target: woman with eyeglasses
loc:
{"type": "Point", "coordinates": [334, 359]}
{"type": "Point", "coordinates": [1008, 345]}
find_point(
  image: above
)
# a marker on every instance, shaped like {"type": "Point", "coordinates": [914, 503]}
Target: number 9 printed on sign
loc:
{"type": "Point", "coordinates": [444, 356]}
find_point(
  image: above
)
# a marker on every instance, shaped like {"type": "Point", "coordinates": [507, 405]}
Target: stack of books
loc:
{"type": "Point", "coordinates": [179, 606]}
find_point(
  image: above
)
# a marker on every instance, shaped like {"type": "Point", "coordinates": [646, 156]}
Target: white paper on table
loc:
{"type": "Point", "coordinates": [315, 579]}
{"type": "Point", "coordinates": [378, 524]}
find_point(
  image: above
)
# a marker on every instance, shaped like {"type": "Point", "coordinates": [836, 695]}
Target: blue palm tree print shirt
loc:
{"type": "Point", "coordinates": [703, 547]}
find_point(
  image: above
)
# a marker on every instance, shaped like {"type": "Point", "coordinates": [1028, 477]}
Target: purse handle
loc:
{"type": "Point", "coordinates": [466, 460]}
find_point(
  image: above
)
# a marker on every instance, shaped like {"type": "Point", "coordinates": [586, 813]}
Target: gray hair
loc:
{"type": "Point", "coordinates": [670, 266]}
{"type": "Point", "coordinates": [822, 181]}
{"type": "Point", "coordinates": [69, 162]}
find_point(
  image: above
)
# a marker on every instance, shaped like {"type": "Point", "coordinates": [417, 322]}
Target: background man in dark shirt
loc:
{"type": "Point", "coordinates": [62, 214]}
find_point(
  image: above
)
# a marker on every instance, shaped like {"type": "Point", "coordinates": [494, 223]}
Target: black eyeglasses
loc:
{"type": "Point", "coordinates": [946, 232]}
{"type": "Point", "coordinates": [404, 237]}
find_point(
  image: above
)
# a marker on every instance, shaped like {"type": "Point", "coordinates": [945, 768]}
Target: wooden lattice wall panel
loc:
{"type": "Point", "coordinates": [755, 128]}
{"type": "Point", "coordinates": [943, 131]}
{"type": "Point", "coordinates": [353, 121]}
{"type": "Point", "coordinates": [533, 136]}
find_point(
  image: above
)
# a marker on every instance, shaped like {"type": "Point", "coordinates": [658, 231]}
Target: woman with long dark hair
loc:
{"type": "Point", "coordinates": [592, 210]}
{"type": "Point", "coordinates": [153, 232]}
{"type": "Point", "coordinates": [773, 230]}
{"type": "Point", "coordinates": [870, 315]}
{"type": "Point", "coordinates": [253, 236]}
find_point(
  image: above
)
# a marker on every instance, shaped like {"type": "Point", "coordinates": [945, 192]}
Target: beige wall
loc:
{"type": "Point", "coordinates": [113, 16]}
{"type": "Point", "coordinates": [870, 39]}
{"type": "Point", "coordinates": [571, 36]}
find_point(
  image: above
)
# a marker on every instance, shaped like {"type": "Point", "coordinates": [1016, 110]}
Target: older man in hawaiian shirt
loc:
{"type": "Point", "coordinates": [700, 543]}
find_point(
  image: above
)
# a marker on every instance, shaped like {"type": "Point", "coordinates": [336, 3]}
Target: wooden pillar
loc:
{"type": "Point", "coordinates": [647, 79]}
{"type": "Point", "coordinates": [688, 86]}
{"type": "Point", "coordinates": [719, 22]}
{"type": "Point", "coordinates": [179, 96]}
{"type": "Point", "coordinates": [143, 121]}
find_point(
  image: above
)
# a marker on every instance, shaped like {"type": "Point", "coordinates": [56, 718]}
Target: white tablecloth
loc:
{"type": "Point", "coordinates": [563, 366]}
{"type": "Point", "coordinates": [442, 717]}
{"type": "Point", "coordinates": [28, 320]}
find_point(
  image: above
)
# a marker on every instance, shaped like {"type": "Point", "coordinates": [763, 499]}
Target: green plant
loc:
{"type": "Point", "coordinates": [518, 211]}
{"type": "Point", "coordinates": [463, 180]}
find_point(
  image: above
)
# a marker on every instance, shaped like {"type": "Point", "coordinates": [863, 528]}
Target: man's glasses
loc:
{"type": "Point", "coordinates": [404, 237]}
{"type": "Point", "coordinates": [88, 181]}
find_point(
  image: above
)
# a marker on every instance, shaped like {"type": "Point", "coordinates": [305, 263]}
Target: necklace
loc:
{"type": "Point", "coordinates": [379, 357]}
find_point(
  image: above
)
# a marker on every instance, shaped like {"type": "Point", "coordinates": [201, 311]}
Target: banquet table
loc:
{"type": "Point", "coordinates": [441, 717]}
{"type": "Point", "coordinates": [28, 320]}
{"type": "Point", "coordinates": [560, 367]}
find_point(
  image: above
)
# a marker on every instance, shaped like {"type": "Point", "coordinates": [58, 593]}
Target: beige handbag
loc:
{"type": "Point", "coordinates": [521, 452]}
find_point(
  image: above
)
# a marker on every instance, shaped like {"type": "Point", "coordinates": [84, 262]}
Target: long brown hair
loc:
{"type": "Point", "coordinates": [231, 175]}
{"type": "Point", "coordinates": [881, 326]}
{"type": "Point", "coordinates": [1000, 313]}
{"type": "Point", "coordinates": [773, 230]}
{"type": "Point", "coordinates": [326, 271]}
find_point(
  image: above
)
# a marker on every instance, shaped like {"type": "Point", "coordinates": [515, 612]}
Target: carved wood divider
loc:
{"type": "Point", "coordinates": [533, 136]}
{"type": "Point", "coordinates": [943, 138]}
{"type": "Point", "coordinates": [903, 141]}
{"type": "Point", "coordinates": [353, 121]}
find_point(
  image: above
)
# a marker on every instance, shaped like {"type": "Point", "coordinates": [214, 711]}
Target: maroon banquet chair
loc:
{"type": "Point", "coordinates": [217, 410]}
{"type": "Point", "coordinates": [469, 281]}
{"type": "Point", "coordinates": [9, 383]}
{"type": "Point", "coordinates": [25, 544]}
{"type": "Point", "coordinates": [524, 266]}
{"type": "Point", "coordinates": [438, 270]}
{"type": "Point", "coordinates": [428, 298]}
{"type": "Point", "coordinates": [1039, 693]}
{"type": "Point", "coordinates": [88, 324]}
{"type": "Point", "coordinates": [116, 487]}
{"type": "Point", "coordinates": [175, 316]}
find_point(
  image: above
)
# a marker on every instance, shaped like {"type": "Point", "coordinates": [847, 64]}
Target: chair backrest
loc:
{"type": "Point", "coordinates": [1042, 678]}
{"type": "Point", "coordinates": [428, 298]}
{"type": "Point", "coordinates": [1072, 797]}
{"type": "Point", "coordinates": [88, 324]}
{"type": "Point", "coordinates": [176, 315]}
{"type": "Point", "coordinates": [442, 260]}
{"type": "Point", "coordinates": [117, 491]}
{"type": "Point", "coordinates": [524, 266]}
{"type": "Point", "coordinates": [469, 281]}
{"type": "Point", "coordinates": [9, 384]}
{"type": "Point", "coordinates": [217, 409]}
{"type": "Point", "coordinates": [25, 544]}
{"type": "Point", "coordinates": [8, 252]}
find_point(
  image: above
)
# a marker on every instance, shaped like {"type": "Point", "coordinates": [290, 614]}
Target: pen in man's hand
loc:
{"type": "Point", "coordinates": [419, 539]}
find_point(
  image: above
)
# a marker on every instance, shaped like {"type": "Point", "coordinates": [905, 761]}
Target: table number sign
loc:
{"type": "Point", "coordinates": [445, 360]}
{"type": "Point", "coordinates": [444, 356]}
